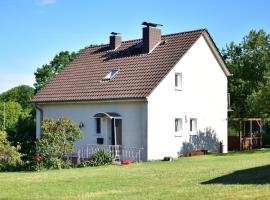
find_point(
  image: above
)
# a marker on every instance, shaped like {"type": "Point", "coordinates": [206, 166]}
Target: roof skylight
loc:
{"type": "Point", "coordinates": [111, 74]}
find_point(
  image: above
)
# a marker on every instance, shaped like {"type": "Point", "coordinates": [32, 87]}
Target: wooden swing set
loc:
{"type": "Point", "coordinates": [245, 134]}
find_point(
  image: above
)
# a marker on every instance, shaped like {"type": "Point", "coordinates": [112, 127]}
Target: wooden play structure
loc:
{"type": "Point", "coordinates": [245, 134]}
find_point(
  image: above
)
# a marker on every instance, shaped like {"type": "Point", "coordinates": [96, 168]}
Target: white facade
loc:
{"type": "Point", "coordinates": [150, 124]}
{"type": "Point", "coordinates": [203, 96]}
{"type": "Point", "coordinates": [134, 119]}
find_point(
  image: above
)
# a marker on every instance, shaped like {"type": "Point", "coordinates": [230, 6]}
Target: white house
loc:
{"type": "Point", "coordinates": [166, 94]}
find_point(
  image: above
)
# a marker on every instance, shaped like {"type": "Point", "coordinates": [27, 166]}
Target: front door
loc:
{"type": "Point", "coordinates": [116, 131]}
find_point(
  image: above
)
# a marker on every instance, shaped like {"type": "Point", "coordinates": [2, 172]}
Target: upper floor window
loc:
{"type": "Point", "coordinates": [178, 81]}
{"type": "Point", "coordinates": [178, 126]}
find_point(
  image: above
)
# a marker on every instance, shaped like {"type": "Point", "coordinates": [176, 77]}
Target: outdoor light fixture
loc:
{"type": "Point", "coordinates": [81, 125]}
{"type": "Point", "coordinates": [186, 119]}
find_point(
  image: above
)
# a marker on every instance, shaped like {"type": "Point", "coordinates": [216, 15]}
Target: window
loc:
{"type": "Point", "coordinates": [98, 125]}
{"type": "Point", "coordinates": [110, 75]}
{"type": "Point", "coordinates": [193, 125]}
{"type": "Point", "coordinates": [178, 126]}
{"type": "Point", "coordinates": [178, 81]}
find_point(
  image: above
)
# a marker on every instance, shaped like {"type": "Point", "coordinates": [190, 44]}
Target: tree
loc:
{"type": "Point", "coordinates": [249, 62]}
{"type": "Point", "coordinates": [24, 135]}
{"type": "Point", "coordinates": [259, 101]}
{"type": "Point", "coordinates": [20, 94]}
{"type": "Point", "coordinates": [48, 71]}
{"type": "Point", "coordinates": [19, 118]}
{"type": "Point", "coordinates": [9, 114]}
{"type": "Point", "coordinates": [58, 138]}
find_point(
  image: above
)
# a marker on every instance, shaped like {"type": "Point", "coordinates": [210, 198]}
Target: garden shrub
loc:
{"type": "Point", "coordinates": [32, 165]}
{"type": "Point", "coordinates": [57, 140]}
{"type": "Point", "coordinates": [101, 157]}
{"type": "Point", "coordinates": [9, 154]}
{"type": "Point", "coordinates": [8, 166]}
{"type": "Point", "coordinates": [56, 163]}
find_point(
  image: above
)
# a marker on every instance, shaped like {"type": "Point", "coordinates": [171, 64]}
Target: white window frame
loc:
{"type": "Point", "coordinates": [178, 81]}
{"type": "Point", "coordinates": [178, 127]}
{"type": "Point", "coordinates": [193, 126]}
{"type": "Point", "coordinates": [111, 75]}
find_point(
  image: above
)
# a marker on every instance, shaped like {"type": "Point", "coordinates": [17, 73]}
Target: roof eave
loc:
{"type": "Point", "coordinates": [209, 40]}
{"type": "Point", "coordinates": [111, 100]}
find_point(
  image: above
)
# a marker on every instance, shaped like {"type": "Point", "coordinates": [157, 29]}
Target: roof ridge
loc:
{"type": "Point", "coordinates": [171, 34]}
{"type": "Point", "coordinates": [185, 32]}
{"type": "Point", "coordinates": [166, 35]}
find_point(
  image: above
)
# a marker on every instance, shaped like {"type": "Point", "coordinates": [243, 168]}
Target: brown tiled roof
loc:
{"type": "Point", "coordinates": [139, 73]}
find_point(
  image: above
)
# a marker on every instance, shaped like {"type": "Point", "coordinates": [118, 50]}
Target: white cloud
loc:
{"type": "Point", "coordinates": [45, 2]}
{"type": "Point", "coordinates": [8, 80]}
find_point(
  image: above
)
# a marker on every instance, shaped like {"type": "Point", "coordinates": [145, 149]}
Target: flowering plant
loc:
{"type": "Point", "coordinates": [37, 158]}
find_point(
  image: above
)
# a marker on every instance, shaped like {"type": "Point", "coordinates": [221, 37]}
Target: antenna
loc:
{"type": "Point", "coordinates": [115, 33]}
{"type": "Point", "coordinates": [150, 24]}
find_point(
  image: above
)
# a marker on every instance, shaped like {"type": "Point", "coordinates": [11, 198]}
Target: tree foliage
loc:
{"type": "Point", "coordinates": [58, 138]}
{"type": "Point", "coordinates": [20, 94]}
{"type": "Point", "coordinates": [19, 118]}
{"type": "Point", "coordinates": [249, 62]}
{"type": "Point", "coordinates": [259, 101]}
{"type": "Point", "coordinates": [9, 114]}
{"type": "Point", "coordinates": [48, 71]}
{"type": "Point", "coordinates": [24, 135]}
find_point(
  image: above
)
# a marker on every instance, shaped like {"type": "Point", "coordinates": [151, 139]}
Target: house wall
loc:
{"type": "Point", "coordinates": [134, 121]}
{"type": "Point", "coordinates": [203, 96]}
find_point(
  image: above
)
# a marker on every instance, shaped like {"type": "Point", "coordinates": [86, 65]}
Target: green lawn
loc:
{"type": "Point", "coordinates": [232, 176]}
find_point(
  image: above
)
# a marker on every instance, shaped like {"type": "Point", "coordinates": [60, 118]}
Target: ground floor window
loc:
{"type": "Point", "coordinates": [178, 126]}
{"type": "Point", "coordinates": [98, 125]}
{"type": "Point", "coordinates": [193, 125]}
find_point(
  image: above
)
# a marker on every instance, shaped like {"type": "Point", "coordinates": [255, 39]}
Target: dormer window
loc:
{"type": "Point", "coordinates": [110, 75]}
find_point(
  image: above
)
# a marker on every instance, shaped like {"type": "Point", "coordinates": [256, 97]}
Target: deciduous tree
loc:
{"type": "Point", "coordinates": [48, 71]}
{"type": "Point", "coordinates": [249, 62]}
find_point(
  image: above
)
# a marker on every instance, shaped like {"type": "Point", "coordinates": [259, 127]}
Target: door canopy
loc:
{"type": "Point", "coordinates": [110, 115]}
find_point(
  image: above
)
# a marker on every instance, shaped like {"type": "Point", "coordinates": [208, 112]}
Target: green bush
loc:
{"type": "Point", "coordinates": [57, 140]}
{"type": "Point", "coordinates": [56, 163]}
{"type": "Point", "coordinates": [8, 166]}
{"type": "Point", "coordinates": [101, 157]}
{"type": "Point", "coordinates": [9, 155]}
{"type": "Point", "coordinates": [33, 166]}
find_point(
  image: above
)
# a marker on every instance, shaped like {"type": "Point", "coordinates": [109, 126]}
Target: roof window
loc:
{"type": "Point", "coordinates": [110, 75]}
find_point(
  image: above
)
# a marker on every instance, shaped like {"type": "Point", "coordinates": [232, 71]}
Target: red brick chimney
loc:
{"type": "Point", "coordinates": [151, 36]}
{"type": "Point", "coordinates": [115, 40]}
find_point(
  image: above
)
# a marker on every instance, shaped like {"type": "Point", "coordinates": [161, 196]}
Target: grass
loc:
{"type": "Point", "coordinates": [232, 176]}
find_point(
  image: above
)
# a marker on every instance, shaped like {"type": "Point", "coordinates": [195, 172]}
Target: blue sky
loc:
{"type": "Point", "coordinates": [33, 31]}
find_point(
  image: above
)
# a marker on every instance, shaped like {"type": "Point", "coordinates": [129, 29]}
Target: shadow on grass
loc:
{"type": "Point", "coordinates": [237, 153]}
{"type": "Point", "coordinates": [256, 175]}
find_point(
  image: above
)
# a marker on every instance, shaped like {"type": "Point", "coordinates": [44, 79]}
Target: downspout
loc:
{"type": "Point", "coordinates": [40, 117]}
